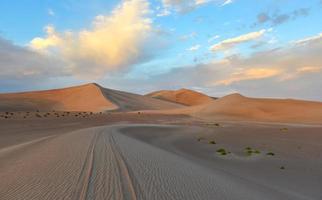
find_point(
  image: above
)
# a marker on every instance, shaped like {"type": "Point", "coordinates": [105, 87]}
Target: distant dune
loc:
{"type": "Point", "coordinates": [182, 96]}
{"type": "Point", "coordinates": [89, 97]}
{"type": "Point", "coordinates": [236, 106]}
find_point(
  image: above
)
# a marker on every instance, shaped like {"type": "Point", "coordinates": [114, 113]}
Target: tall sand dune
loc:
{"type": "Point", "coordinates": [89, 97]}
{"type": "Point", "coordinates": [182, 96]}
{"type": "Point", "coordinates": [236, 106]}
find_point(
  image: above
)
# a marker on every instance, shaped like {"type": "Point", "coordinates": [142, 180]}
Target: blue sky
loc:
{"type": "Point", "coordinates": [214, 46]}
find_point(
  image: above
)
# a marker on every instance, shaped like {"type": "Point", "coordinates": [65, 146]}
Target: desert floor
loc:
{"type": "Point", "coordinates": [150, 156]}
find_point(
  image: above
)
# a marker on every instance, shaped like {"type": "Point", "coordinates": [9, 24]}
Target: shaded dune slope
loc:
{"type": "Point", "coordinates": [89, 97]}
{"type": "Point", "coordinates": [131, 102]}
{"type": "Point", "coordinates": [182, 96]}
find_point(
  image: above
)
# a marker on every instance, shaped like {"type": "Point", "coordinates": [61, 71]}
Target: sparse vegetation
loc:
{"type": "Point", "coordinates": [249, 151]}
{"type": "Point", "coordinates": [284, 129]}
{"type": "Point", "coordinates": [212, 142]}
{"type": "Point", "coordinates": [223, 151]}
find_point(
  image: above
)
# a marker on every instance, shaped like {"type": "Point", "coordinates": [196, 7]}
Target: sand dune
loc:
{"type": "Point", "coordinates": [182, 96]}
{"type": "Point", "coordinates": [89, 97]}
{"type": "Point", "coordinates": [236, 106]}
{"type": "Point", "coordinates": [131, 102]}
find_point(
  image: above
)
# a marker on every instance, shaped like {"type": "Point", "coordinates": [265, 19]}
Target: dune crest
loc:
{"type": "Point", "coordinates": [88, 97]}
{"type": "Point", "coordinates": [183, 96]}
{"type": "Point", "coordinates": [236, 106]}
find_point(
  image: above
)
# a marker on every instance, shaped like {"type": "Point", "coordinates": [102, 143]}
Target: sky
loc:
{"type": "Point", "coordinates": [267, 48]}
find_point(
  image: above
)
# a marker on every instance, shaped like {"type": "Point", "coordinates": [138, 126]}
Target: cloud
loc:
{"type": "Point", "coordinates": [51, 12]}
{"type": "Point", "coordinates": [114, 43]}
{"type": "Point", "coordinates": [23, 67]}
{"type": "Point", "coordinates": [194, 48]}
{"type": "Point", "coordinates": [213, 38]}
{"type": "Point", "coordinates": [279, 18]}
{"type": "Point", "coordinates": [232, 42]}
{"type": "Point", "coordinates": [184, 6]}
{"type": "Point", "coordinates": [292, 71]}
{"type": "Point", "coordinates": [248, 74]}
{"type": "Point", "coordinates": [307, 40]}
{"type": "Point", "coordinates": [226, 2]}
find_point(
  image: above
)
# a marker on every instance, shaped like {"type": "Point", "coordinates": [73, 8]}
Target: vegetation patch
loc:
{"type": "Point", "coordinates": [250, 151]}
{"type": "Point", "coordinates": [212, 142]}
{"type": "Point", "coordinates": [223, 152]}
{"type": "Point", "coordinates": [270, 154]}
{"type": "Point", "coordinates": [284, 129]}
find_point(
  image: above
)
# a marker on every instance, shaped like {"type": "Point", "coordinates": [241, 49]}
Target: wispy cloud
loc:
{"type": "Point", "coordinates": [226, 2]}
{"type": "Point", "coordinates": [194, 48]}
{"type": "Point", "coordinates": [232, 42]}
{"type": "Point", "coordinates": [277, 18]}
{"type": "Point", "coordinates": [51, 12]}
{"type": "Point", "coordinates": [248, 74]}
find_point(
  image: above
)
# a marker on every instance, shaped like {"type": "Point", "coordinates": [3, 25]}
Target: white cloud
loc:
{"type": "Point", "coordinates": [232, 42]}
{"type": "Point", "coordinates": [114, 43]}
{"type": "Point", "coordinates": [51, 12]}
{"type": "Point", "coordinates": [194, 48]}
{"type": "Point", "coordinates": [213, 38]}
{"type": "Point", "coordinates": [226, 2]}
{"type": "Point", "coordinates": [308, 39]}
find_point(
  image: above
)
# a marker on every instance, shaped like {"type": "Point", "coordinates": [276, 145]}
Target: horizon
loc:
{"type": "Point", "coordinates": [99, 85]}
{"type": "Point", "coordinates": [216, 47]}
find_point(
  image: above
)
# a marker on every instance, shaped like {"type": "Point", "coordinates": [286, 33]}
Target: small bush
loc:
{"type": "Point", "coordinates": [282, 167]}
{"type": "Point", "coordinates": [223, 151]}
{"type": "Point", "coordinates": [270, 154]}
{"type": "Point", "coordinates": [212, 142]}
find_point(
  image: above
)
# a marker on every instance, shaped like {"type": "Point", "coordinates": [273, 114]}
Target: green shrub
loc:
{"type": "Point", "coordinates": [212, 142]}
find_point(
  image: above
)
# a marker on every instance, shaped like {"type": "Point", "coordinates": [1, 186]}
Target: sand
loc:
{"type": "Point", "coordinates": [88, 97]}
{"type": "Point", "coordinates": [239, 107]}
{"type": "Point", "coordinates": [182, 96]}
{"type": "Point", "coordinates": [139, 161]}
{"type": "Point", "coordinates": [109, 144]}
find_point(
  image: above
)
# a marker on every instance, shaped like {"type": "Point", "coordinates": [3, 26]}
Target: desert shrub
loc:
{"type": "Point", "coordinates": [257, 152]}
{"type": "Point", "coordinates": [200, 138]}
{"type": "Point", "coordinates": [212, 142]}
{"type": "Point", "coordinates": [284, 129]}
{"type": "Point", "coordinates": [282, 167]}
{"type": "Point", "coordinates": [223, 151]}
{"type": "Point", "coordinates": [270, 154]}
{"type": "Point", "coordinates": [37, 115]}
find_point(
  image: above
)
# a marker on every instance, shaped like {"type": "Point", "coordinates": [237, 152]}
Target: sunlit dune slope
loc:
{"type": "Point", "coordinates": [236, 106]}
{"type": "Point", "coordinates": [89, 97]}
